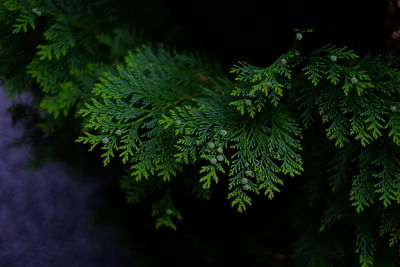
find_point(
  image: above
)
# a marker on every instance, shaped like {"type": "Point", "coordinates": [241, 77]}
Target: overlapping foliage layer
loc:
{"type": "Point", "coordinates": [249, 132]}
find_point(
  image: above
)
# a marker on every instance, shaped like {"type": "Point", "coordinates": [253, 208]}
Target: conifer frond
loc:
{"type": "Point", "coordinates": [332, 215]}
{"type": "Point", "coordinates": [390, 225]}
{"type": "Point", "coordinates": [340, 167]}
{"type": "Point", "coordinates": [24, 22]}
{"type": "Point", "coordinates": [134, 101]}
{"type": "Point", "coordinates": [261, 149]}
{"type": "Point", "coordinates": [362, 192]}
{"type": "Point", "coordinates": [144, 95]}
{"type": "Point", "coordinates": [269, 82]}
{"type": "Point", "coordinates": [365, 246]}
{"type": "Point", "coordinates": [165, 212]}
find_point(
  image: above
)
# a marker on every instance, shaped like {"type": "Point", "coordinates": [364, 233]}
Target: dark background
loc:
{"type": "Point", "coordinates": [257, 32]}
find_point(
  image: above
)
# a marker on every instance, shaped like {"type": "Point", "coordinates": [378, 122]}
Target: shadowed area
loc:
{"type": "Point", "coordinates": [45, 215]}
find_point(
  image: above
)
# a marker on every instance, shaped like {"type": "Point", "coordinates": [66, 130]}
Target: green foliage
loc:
{"type": "Point", "coordinates": [269, 81]}
{"type": "Point", "coordinates": [165, 211]}
{"type": "Point", "coordinates": [25, 21]}
{"type": "Point", "coordinates": [173, 111]}
{"type": "Point", "coordinates": [330, 117]}
{"type": "Point", "coordinates": [160, 133]}
{"type": "Point", "coordinates": [390, 225]}
{"type": "Point", "coordinates": [314, 249]}
{"type": "Point", "coordinates": [74, 43]}
{"type": "Point", "coordinates": [134, 101]}
{"type": "Point", "coordinates": [365, 247]}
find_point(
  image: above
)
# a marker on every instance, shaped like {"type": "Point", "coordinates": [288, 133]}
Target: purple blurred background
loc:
{"type": "Point", "coordinates": [46, 214]}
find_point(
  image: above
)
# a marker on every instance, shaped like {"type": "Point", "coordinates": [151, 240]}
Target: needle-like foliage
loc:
{"type": "Point", "coordinates": [163, 112]}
